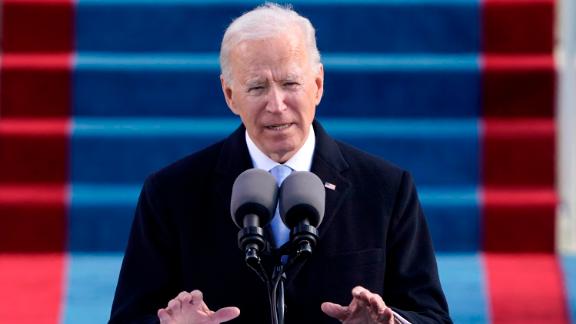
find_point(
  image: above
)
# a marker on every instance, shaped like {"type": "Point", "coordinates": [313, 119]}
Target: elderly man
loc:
{"type": "Point", "coordinates": [374, 262]}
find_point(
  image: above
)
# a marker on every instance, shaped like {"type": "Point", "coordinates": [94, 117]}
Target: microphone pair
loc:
{"type": "Point", "coordinates": [301, 202]}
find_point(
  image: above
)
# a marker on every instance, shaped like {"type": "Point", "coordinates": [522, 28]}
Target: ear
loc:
{"type": "Point", "coordinates": [227, 90]}
{"type": "Point", "coordinates": [319, 81]}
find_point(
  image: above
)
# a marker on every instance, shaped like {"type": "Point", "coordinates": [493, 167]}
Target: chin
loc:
{"type": "Point", "coordinates": [282, 150]}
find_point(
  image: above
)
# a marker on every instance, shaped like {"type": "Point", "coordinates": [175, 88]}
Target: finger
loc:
{"type": "Point", "coordinates": [197, 300]}
{"type": "Point", "coordinates": [164, 316]}
{"type": "Point", "coordinates": [174, 305]}
{"type": "Point", "coordinates": [362, 295]}
{"type": "Point", "coordinates": [182, 295]}
{"type": "Point", "coordinates": [336, 311]}
{"type": "Point", "coordinates": [385, 316]}
{"type": "Point", "coordinates": [196, 297]}
{"type": "Point", "coordinates": [388, 316]}
{"type": "Point", "coordinates": [358, 290]}
{"type": "Point", "coordinates": [377, 303]}
{"type": "Point", "coordinates": [186, 300]}
{"type": "Point", "coordinates": [225, 314]}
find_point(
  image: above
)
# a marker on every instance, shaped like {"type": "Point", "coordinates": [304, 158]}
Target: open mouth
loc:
{"type": "Point", "coordinates": [279, 127]}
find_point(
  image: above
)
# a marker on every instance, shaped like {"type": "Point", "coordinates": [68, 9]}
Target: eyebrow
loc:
{"type": "Point", "coordinates": [255, 81]}
{"type": "Point", "coordinates": [291, 76]}
{"type": "Point", "coordinates": [259, 80]}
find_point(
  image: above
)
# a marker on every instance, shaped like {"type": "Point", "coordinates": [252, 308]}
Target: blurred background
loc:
{"type": "Point", "coordinates": [477, 98]}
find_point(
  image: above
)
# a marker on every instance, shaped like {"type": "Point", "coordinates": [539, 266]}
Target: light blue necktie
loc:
{"type": "Point", "coordinates": [280, 232]}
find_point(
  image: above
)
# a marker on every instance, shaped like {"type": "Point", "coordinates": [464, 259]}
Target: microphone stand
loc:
{"type": "Point", "coordinates": [275, 281]}
{"type": "Point", "coordinates": [303, 239]}
{"type": "Point", "coordinates": [280, 304]}
{"type": "Point", "coordinates": [298, 249]}
{"type": "Point", "coordinates": [277, 294]}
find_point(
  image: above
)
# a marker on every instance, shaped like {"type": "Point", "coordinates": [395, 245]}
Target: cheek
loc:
{"type": "Point", "coordinates": [250, 110]}
{"type": "Point", "coordinates": [302, 101]}
{"type": "Point", "coordinates": [308, 108]}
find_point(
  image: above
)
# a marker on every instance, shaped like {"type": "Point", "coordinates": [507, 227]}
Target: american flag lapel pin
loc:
{"type": "Point", "coordinates": [330, 186]}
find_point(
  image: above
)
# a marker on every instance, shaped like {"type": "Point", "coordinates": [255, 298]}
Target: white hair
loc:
{"type": "Point", "coordinates": [266, 21]}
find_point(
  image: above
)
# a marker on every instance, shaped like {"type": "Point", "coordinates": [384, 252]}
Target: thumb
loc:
{"type": "Point", "coordinates": [225, 314]}
{"type": "Point", "coordinates": [336, 311]}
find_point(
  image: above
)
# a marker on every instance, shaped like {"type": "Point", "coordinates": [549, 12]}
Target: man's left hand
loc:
{"type": "Point", "coordinates": [365, 307]}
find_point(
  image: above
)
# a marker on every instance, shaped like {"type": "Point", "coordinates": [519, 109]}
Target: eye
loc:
{"type": "Point", "coordinates": [255, 89]}
{"type": "Point", "coordinates": [291, 84]}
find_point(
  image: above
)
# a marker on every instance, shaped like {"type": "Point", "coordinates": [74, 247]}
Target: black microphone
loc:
{"type": "Point", "coordinates": [302, 202]}
{"type": "Point", "coordinates": [252, 205]}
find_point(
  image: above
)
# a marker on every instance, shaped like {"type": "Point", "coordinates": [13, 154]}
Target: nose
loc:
{"type": "Point", "coordinates": [275, 101]}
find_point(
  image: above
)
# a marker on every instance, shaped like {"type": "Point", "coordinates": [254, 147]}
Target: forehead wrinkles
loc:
{"type": "Point", "coordinates": [284, 57]}
{"type": "Point", "coordinates": [278, 73]}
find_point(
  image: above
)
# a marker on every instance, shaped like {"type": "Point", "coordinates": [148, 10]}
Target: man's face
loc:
{"type": "Point", "coordinates": [275, 91]}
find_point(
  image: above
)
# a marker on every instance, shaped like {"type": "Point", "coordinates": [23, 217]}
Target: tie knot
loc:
{"type": "Point", "coordinates": [281, 172]}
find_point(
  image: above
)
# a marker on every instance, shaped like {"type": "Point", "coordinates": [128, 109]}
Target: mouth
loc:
{"type": "Point", "coordinates": [279, 127]}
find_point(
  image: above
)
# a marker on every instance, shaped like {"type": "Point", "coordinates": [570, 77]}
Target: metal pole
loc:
{"type": "Point", "coordinates": [566, 122]}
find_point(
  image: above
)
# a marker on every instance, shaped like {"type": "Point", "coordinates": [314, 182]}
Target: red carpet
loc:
{"type": "Point", "coordinates": [48, 77]}
{"type": "Point", "coordinates": [525, 281]}
{"type": "Point", "coordinates": [37, 39]}
{"type": "Point", "coordinates": [519, 220]}
{"type": "Point", "coordinates": [526, 288]}
{"type": "Point", "coordinates": [33, 151]}
{"type": "Point", "coordinates": [32, 288]}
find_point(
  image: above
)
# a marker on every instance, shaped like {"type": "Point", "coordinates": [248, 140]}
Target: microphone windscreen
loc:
{"type": "Point", "coordinates": [254, 192]}
{"type": "Point", "coordinates": [302, 196]}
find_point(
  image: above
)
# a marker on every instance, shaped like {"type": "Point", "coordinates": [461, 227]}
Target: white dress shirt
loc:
{"type": "Point", "coordinates": [301, 161]}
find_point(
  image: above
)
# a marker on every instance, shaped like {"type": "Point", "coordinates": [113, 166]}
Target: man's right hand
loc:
{"type": "Point", "coordinates": [189, 308]}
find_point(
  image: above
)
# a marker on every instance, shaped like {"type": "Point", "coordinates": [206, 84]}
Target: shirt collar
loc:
{"type": "Point", "coordinates": [301, 161]}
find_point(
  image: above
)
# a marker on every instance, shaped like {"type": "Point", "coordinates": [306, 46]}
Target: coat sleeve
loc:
{"type": "Point", "coordinates": [412, 285]}
{"type": "Point", "coordinates": [149, 274]}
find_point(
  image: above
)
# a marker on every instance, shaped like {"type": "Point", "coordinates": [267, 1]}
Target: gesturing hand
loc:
{"type": "Point", "coordinates": [365, 307]}
{"type": "Point", "coordinates": [189, 308]}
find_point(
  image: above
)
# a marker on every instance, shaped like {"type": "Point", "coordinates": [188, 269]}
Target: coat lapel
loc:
{"type": "Point", "coordinates": [234, 157]}
{"type": "Point", "coordinates": [232, 161]}
{"type": "Point", "coordinates": [329, 165]}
